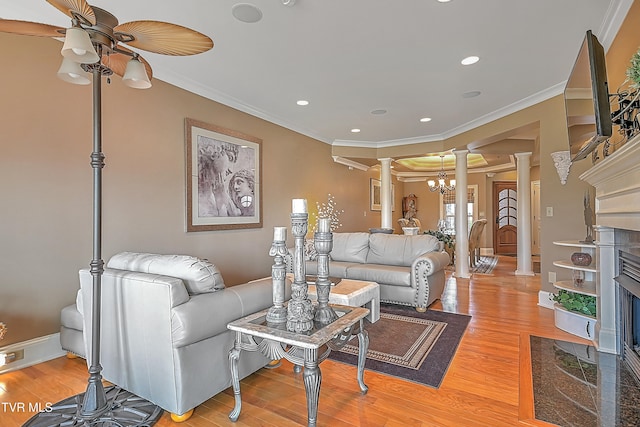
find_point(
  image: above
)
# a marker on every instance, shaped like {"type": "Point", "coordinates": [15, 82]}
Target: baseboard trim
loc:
{"type": "Point", "coordinates": [544, 299]}
{"type": "Point", "coordinates": [36, 351]}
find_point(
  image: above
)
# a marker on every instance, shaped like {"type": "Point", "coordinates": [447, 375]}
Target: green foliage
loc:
{"type": "Point", "coordinates": [448, 240]}
{"type": "Point", "coordinates": [633, 72]}
{"type": "Point", "coordinates": [579, 303]}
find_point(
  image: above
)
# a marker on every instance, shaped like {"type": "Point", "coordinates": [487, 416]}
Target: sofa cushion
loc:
{"type": "Point", "coordinates": [199, 276]}
{"type": "Point", "coordinates": [402, 250]}
{"type": "Point", "coordinates": [382, 274]}
{"type": "Point", "coordinates": [336, 268]}
{"type": "Point", "coordinates": [350, 247]}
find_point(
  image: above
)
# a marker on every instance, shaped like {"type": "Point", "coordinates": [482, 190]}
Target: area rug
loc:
{"type": "Point", "coordinates": [485, 265]}
{"type": "Point", "coordinates": [406, 344]}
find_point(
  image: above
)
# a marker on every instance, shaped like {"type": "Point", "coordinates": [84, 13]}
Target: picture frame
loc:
{"type": "Point", "coordinates": [223, 178]}
{"type": "Point", "coordinates": [375, 195]}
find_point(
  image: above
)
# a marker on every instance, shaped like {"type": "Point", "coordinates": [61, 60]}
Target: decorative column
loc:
{"type": "Point", "coordinates": [278, 312]}
{"type": "Point", "coordinates": [386, 220]}
{"type": "Point", "coordinates": [462, 223]}
{"type": "Point", "coordinates": [323, 241]}
{"type": "Point", "coordinates": [523, 188]}
{"type": "Point", "coordinates": [300, 309]}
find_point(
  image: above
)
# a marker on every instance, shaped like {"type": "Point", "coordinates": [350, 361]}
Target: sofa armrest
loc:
{"type": "Point", "coordinates": [430, 262]}
{"type": "Point", "coordinates": [428, 267]}
{"type": "Point", "coordinates": [207, 315]}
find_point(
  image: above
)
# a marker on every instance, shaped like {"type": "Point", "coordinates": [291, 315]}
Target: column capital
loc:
{"type": "Point", "coordinates": [459, 153]}
{"type": "Point", "coordinates": [523, 155]}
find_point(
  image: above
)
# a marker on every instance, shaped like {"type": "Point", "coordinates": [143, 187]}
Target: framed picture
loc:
{"type": "Point", "coordinates": [375, 197]}
{"type": "Point", "coordinates": [224, 174]}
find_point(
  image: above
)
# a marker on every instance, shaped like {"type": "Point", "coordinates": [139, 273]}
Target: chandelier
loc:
{"type": "Point", "coordinates": [442, 176]}
{"type": "Point", "coordinates": [93, 48]}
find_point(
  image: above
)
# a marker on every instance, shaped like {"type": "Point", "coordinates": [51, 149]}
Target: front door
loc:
{"type": "Point", "coordinates": [505, 205]}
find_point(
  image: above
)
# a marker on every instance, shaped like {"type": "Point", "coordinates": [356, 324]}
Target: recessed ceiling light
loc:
{"type": "Point", "coordinates": [355, 130]}
{"type": "Point", "coordinates": [471, 94]}
{"type": "Point", "coordinates": [444, 1]}
{"type": "Point", "coordinates": [470, 60]}
{"type": "Point", "coordinates": [379, 112]}
{"type": "Point", "coordinates": [246, 12]}
{"type": "Point", "coordinates": [302, 102]}
{"type": "Point", "coordinates": [425, 119]}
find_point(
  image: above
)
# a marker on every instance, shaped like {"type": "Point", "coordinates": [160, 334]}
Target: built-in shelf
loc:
{"type": "Point", "coordinates": [571, 266]}
{"type": "Point", "coordinates": [570, 321]}
{"type": "Point", "coordinates": [588, 288]}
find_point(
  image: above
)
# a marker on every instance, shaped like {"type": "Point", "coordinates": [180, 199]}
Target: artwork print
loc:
{"type": "Point", "coordinates": [223, 168]}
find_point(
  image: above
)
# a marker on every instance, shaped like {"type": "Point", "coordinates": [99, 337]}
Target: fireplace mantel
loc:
{"type": "Point", "coordinates": [617, 182]}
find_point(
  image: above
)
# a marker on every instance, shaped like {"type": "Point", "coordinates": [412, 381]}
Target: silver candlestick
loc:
{"type": "Point", "coordinates": [278, 312]}
{"type": "Point", "coordinates": [300, 308]}
{"type": "Point", "coordinates": [323, 241]}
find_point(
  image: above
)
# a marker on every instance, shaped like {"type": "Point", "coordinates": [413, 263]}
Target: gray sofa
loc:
{"type": "Point", "coordinates": [164, 330]}
{"type": "Point", "coordinates": [409, 269]}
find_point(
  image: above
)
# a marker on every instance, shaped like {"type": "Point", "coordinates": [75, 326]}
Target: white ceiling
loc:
{"type": "Point", "coordinates": [350, 57]}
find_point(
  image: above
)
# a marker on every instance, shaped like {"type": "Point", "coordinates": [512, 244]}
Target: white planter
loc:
{"type": "Point", "coordinates": [574, 323]}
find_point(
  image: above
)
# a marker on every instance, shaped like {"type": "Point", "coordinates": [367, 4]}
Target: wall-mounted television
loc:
{"type": "Point", "coordinates": [586, 98]}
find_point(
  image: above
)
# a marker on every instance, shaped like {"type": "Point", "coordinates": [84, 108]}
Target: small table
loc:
{"type": "Point", "coordinates": [354, 293]}
{"type": "Point", "coordinates": [306, 350]}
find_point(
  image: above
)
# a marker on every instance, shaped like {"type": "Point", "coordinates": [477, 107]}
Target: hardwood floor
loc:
{"type": "Point", "coordinates": [487, 383]}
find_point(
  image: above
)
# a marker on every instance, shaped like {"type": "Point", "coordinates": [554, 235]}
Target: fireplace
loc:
{"type": "Point", "coordinates": [628, 279]}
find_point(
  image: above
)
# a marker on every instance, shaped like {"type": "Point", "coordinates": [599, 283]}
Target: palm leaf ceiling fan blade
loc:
{"type": "Point", "coordinates": [163, 38]}
{"type": "Point", "coordinates": [27, 28]}
{"type": "Point", "coordinates": [118, 62]}
{"type": "Point", "coordinates": [71, 8]}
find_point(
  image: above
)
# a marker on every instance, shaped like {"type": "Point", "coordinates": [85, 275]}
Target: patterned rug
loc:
{"type": "Point", "coordinates": [485, 265]}
{"type": "Point", "coordinates": [414, 346]}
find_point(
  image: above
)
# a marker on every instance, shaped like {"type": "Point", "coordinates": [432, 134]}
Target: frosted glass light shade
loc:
{"type": "Point", "coordinates": [452, 182]}
{"type": "Point", "coordinates": [431, 183]}
{"type": "Point", "coordinates": [78, 47]}
{"type": "Point", "coordinates": [72, 72]}
{"type": "Point", "coordinates": [135, 75]}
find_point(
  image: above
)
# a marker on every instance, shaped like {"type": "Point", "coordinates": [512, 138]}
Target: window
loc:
{"type": "Point", "coordinates": [448, 208]}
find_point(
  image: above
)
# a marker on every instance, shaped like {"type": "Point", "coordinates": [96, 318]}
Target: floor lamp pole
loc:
{"type": "Point", "coordinates": [95, 400]}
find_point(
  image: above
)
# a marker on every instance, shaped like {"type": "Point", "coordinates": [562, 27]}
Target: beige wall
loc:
{"type": "Point", "coordinates": [46, 183]}
{"type": "Point", "coordinates": [45, 180]}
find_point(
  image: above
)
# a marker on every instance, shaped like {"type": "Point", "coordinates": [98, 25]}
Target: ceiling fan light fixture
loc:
{"type": "Point", "coordinates": [135, 75]}
{"type": "Point", "coordinates": [78, 47]}
{"type": "Point", "coordinates": [72, 72]}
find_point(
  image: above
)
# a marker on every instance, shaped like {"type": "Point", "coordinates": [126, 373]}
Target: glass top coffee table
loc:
{"type": "Point", "coordinates": [305, 350]}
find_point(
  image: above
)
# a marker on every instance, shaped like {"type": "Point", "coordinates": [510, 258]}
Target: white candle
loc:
{"type": "Point", "coordinates": [324, 225]}
{"type": "Point", "coordinates": [299, 205]}
{"type": "Point", "coordinates": [279, 234]}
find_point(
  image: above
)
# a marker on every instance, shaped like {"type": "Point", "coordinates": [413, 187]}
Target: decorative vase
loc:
{"type": "Point", "coordinates": [582, 259]}
{"type": "Point", "coordinates": [578, 278]}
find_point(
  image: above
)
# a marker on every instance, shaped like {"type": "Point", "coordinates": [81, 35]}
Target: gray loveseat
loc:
{"type": "Point", "coordinates": [164, 327]}
{"type": "Point", "coordinates": [409, 269]}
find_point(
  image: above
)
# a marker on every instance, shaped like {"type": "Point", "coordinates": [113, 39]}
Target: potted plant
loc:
{"type": "Point", "coordinates": [578, 303]}
{"type": "Point", "coordinates": [448, 240]}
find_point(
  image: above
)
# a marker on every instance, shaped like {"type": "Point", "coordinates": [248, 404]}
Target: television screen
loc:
{"type": "Point", "coordinates": [587, 100]}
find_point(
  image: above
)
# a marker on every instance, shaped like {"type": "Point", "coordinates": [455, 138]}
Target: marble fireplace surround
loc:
{"type": "Point", "coordinates": [617, 183]}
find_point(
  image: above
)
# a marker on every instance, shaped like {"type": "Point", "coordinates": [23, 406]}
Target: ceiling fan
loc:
{"type": "Point", "coordinates": [107, 35]}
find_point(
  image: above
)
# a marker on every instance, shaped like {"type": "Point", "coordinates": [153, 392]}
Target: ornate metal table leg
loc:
{"type": "Point", "coordinates": [312, 380]}
{"type": "Point", "coordinates": [363, 346]}
{"type": "Point", "coordinates": [234, 355]}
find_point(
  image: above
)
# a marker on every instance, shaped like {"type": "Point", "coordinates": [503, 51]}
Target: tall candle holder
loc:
{"type": "Point", "coordinates": [278, 312]}
{"type": "Point", "coordinates": [300, 308]}
{"type": "Point", "coordinates": [323, 241]}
